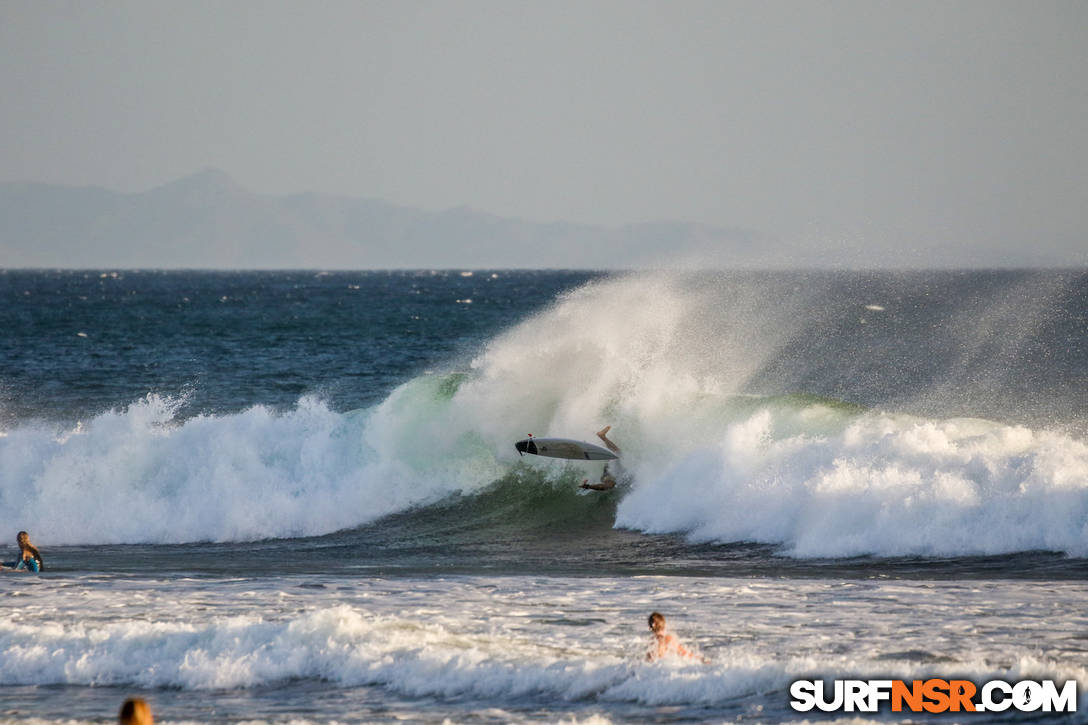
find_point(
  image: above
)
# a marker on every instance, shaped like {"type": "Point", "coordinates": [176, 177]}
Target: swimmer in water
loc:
{"type": "Point", "coordinates": [30, 559]}
{"type": "Point", "coordinates": [666, 643]}
{"type": "Point", "coordinates": [135, 711]}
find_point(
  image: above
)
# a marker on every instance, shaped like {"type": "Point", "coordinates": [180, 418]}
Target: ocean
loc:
{"type": "Point", "coordinates": [293, 497]}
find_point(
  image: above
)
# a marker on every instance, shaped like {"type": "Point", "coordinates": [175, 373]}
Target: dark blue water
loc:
{"type": "Point", "coordinates": [78, 343]}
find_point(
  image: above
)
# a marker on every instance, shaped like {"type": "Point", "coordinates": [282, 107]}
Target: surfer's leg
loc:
{"type": "Point", "coordinates": [603, 435]}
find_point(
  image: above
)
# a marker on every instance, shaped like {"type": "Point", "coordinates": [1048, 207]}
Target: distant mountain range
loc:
{"type": "Point", "coordinates": [207, 221]}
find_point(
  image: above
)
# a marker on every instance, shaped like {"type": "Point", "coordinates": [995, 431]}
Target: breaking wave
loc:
{"type": "Point", "coordinates": [678, 365]}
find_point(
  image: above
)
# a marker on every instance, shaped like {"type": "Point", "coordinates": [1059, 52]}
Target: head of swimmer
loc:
{"type": "Point", "coordinates": [135, 711]}
{"type": "Point", "coordinates": [25, 547]}
{"type": "Point", "coordinates": [657, 623]}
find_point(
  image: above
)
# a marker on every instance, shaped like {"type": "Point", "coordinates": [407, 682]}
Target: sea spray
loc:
{"type": "Point", "coordinates": [820, 477]}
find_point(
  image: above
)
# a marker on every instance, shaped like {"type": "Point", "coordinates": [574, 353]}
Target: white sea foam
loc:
{"type": "Point", "coordinates": [349, 646]}
{"type": "Point", "coordinates": [508, 643]}
{"type": "Point", "coordinates": [137, 476]}
{"type": "Point", "coordinates": [884, 484]}
{"type": "Point", "coordinates": [340, 644]}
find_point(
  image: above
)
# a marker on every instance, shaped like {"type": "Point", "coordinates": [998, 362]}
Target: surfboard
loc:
{"type": "Point", "coordinates": [564, 448]}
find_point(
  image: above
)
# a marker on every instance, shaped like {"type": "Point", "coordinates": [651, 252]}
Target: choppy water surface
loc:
{"type": "Point", "coordinates": [521, 648]}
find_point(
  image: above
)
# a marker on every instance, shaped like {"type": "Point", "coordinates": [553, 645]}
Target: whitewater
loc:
{"type": "Point", "coordinates": [298, 495]}
{"type": "Point", "coordinates": [531, 649]}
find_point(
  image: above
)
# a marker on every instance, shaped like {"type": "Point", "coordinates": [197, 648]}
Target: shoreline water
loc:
{"type": "Point", "coordinates": [538, 649]}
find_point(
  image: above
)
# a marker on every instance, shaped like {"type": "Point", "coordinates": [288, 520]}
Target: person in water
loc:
{"type": "Point", "coordinates": [135, 711]}
{"type": "Point", "coordinates": [607, 480]}
{"type": "Point", "coordinates": [30, 559]}
{"type": "Point", "coordinates": [666, 643]}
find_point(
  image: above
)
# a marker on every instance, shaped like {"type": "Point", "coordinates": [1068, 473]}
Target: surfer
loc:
{"type": "Point", "coordinates": [666, 643]}
{"type": "Point", "coordinates": [30, 559]}
{"type": "Point", "coordinates": [608, 481]}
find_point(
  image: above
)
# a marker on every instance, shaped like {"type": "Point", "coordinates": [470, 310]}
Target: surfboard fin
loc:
{"type": "Point", "coordinates": [526, 446]}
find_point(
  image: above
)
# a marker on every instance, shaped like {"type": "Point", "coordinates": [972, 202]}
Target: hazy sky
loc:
{"type": "Point", "coordinates": [884, 123]}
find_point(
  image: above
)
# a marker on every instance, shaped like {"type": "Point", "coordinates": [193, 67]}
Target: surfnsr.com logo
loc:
{"type": "Point", "coordinates": [934, 696]}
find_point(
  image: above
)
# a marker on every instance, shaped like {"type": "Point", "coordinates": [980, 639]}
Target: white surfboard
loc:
{"type": "Point", "coordinates": [564, 448]}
